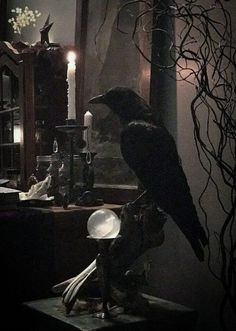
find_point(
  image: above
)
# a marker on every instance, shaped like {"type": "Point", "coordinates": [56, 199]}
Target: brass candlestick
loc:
{"type": "Point", "coordinates": [71, 128]}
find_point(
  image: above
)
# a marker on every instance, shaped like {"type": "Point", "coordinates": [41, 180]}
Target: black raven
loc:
{"type": "Point", "coordinates": [150, 151]}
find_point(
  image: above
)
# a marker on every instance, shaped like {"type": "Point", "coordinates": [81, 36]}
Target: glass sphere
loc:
{"type": "Point", "coordinates": [103, 224]}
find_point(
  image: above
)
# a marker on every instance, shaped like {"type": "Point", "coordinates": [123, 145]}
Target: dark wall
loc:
{"type": "Point", "coordinates": [3, 7]}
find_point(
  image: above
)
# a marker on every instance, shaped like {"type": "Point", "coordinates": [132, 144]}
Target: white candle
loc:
{"type": "Point", "coordinates": [88, 121]}
{"type": "Point", "coordinates": [71, 68]}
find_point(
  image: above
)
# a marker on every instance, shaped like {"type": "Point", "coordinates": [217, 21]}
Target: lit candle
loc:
{"type": "Point", "coordinates": [71, 68]}
{"type": "Point", "coordinates": [88, 121]}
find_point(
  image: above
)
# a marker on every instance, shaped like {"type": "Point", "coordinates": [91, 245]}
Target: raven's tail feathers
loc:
{"type": "Point", "coordinates": [198, 240]}
{"type": "Point", "coordinates": [195, 234]}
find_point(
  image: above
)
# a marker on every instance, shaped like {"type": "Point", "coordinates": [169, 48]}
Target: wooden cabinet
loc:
{"type": "Point", "coordinates": [33, 99]}
{"type": "Point", "coordinates": [17, 119]}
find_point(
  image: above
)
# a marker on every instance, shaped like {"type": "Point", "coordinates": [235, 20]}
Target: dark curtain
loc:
{"type": "Point", "coordinates": [3, 19]}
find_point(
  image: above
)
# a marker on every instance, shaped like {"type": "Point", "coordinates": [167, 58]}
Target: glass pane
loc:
{"type": "Point", "coordinates": [7, 157]}
{"type": "Point", "coordinates": [6, 123]}
{"type": "Point", "coordinates": [10, 159]}
{"type": "Point", "coordinates": [6, 90]}
{"type": "Point", "coordinates": [16, 157]}
{"type": "Point", "coordinates": [14, 91]}
{"type": "Point", "coordinates": [9, 126]}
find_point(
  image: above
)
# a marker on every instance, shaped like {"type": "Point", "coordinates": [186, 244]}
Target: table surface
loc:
{"type": "Point", "coordinates": [167, 313]}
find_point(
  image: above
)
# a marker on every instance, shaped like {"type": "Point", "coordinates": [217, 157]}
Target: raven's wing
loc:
{"type": "Point", "coordinates": [150, 151]}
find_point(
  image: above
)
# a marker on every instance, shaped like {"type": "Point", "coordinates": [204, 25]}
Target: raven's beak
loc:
{"type": "Point", "coordinates": [98, 99]}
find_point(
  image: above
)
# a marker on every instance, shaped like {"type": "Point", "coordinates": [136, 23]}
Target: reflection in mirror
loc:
{"type": "Point", "coordinates": [111, 59]}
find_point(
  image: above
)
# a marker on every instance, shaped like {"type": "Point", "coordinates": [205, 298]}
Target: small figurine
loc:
{"type": "Point", "coordinates": [45, 30]}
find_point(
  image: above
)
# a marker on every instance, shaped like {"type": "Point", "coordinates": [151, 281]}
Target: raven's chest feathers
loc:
{"type": "Point", "coordinates": [147, 148]}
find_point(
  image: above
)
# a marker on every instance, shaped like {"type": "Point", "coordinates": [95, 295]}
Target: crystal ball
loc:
{"type": "Point", "coordinates": [103, 224]}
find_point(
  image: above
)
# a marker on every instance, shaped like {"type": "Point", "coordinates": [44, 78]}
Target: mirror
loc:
{"type": "Point", "coordinates": [110, 59]}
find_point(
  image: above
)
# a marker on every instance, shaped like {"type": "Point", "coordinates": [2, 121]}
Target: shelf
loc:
{"type": "Point", "coordinates": [9, 144]}
{"type": "Point", "coordinates": [9, 110]}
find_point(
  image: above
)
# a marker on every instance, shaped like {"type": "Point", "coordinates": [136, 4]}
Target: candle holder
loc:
{"type": "Point", "coordinates": [87, 197]}
{"type": "Point", "coordinates": [71, 129]}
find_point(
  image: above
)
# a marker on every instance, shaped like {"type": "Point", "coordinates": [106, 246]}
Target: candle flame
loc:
{"type": "Point", "coordinates": [71, 56]}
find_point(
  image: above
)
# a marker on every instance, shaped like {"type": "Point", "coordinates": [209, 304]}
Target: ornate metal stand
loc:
{"type": "Point", "coordinates": [103, 272]}
{"type": "Point", "coordinates": [87, 197]}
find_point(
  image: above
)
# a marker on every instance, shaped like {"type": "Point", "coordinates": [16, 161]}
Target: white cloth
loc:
{"type": "Point", "coordinates": [37, 191]}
